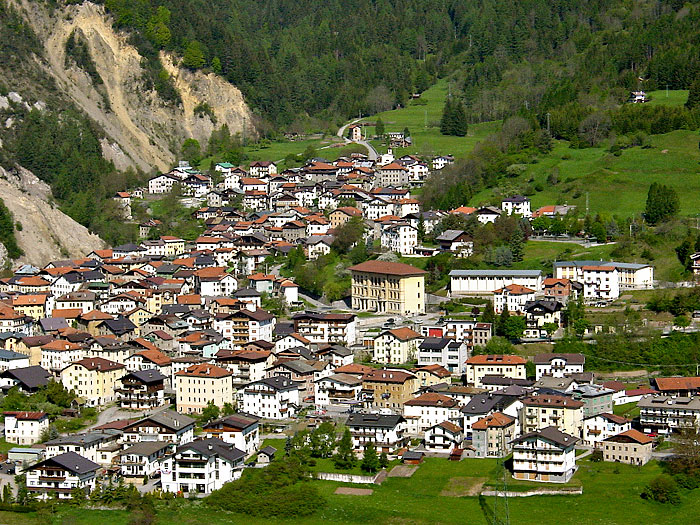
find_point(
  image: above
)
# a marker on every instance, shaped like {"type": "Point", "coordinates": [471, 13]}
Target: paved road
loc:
{"type": "Point", "coordinates": [114, 413]}
{"type": "Point", "coordinates": [371, 152]}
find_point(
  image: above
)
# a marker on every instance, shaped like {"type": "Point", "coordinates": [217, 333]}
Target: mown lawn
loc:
{"type": "Point", "coordinates": [677, 97]}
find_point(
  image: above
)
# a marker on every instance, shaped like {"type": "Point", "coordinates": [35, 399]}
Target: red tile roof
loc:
{"type": "Point", "coordinates": [497, 360]}
{"type": "Point", "coordinates": [388, 268]}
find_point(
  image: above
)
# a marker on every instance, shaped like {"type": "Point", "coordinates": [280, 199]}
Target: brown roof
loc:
{"type": "Point", "coordinates": [389, 268]}
{"type": "Point", "coordinates": [497, 419]}
{"type": "Point", "coordinates": [155, 356]}
{"type": "Point", "coordinates": [632, 434]}
{"type": "Point", "coordinates": [387, 376]}
{"type": "Point", "coordinates": [434, 369]}
{"type": "Point", "coordinates": [67, 313]}
{"type": "Point", "coordinates": [599, 268]}
{"type": "Point", "coordinates": [430, 399]}
{"type": "Point", "coordinates": [99, 363]}
{"type": "Point", "coordinates": [204, 370]}
{"type": "Point", "coordinates": [29, 300]}
{"type": "Point", "coordinates": [677, 383]}
{"type": "Point", "coordinates": [515, 289]}
{"type": "Point", "coordinates": [61, 345]}
{"type": "Point", "coordinates": [404, 333]}
{"type": "Point", "coordinates": [26, 415]}
{"type": "Point", "coordinates": [353, 368]}
{"type": "Point", "coordinates": [615, 418]}
{"type": "Point", "coordinates": [552, 401]}
{"type": "Point", "coordinates": [496, 360]}
{"type": "Point", "coordinates": [450, 427]}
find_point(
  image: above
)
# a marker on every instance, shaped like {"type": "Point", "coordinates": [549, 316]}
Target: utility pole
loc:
{"type": "Point", "coordinates": [586, 204]}
{"type": "Point", "coordinates": [548, 132]}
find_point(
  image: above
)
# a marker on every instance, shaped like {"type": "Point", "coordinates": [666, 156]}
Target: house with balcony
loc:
{"type": "Point", "coordinates": [58, 476]}
{"type": "Point", "coordinates": [386, 432]}
{"type": "Point", "coordinates": [141, 390]}
{"type": "Point", "coordinates": [143, 459]}
{"type": "Point", "coordinates": [337, 389]}
{"type": "Point", "coordinates": [479, 366]}
{"type": "Point", "coordinates": [542, 411]}
{"type": "Point", "coordinates": [429, 409]}
{"type": "Point", "coordinates": [600, 427]}
{"type": "Point", "coordinates": [443, 437]}
{"type": "Point", "coordinates": [631, 447]}
{"type": "Point", "coordinates": [167, 426]}
{"type": "Point", "coordinates": [326, 327]}
{"type": "Point", "coordinates": [271, 398]}
{"type": "Point", "coordinates": [666, 414]}
{"type": "Point", "coordinates": [558, 365]}
{"type": "Point", "coordinates": [240, 430]}
{"type": "Point", "coordinates": [547, 455]}
{"type": "Point", "coordinates": [201, 467]}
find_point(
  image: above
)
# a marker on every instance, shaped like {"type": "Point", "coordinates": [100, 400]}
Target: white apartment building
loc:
{"type": "Point", "coordinates": [558, 365]}
{"type": "Point", "coordinates": [271, 398]}
{"type": "Point", "coordinates": [25, 428]}
{"type": "Point", "coordinates": [630, 276]}
{"type": "Point", "coordinates": [400, 238]}
{"type": "Point", "coordinates": [512, 298]}
{"type": "Point", "coordinates": [548, 455]}
{"type": "Point", "coordinates": [201, 467]}
{"type": "Point", "coordinates": [483, 282]}
{"type": "Point", "coordinates": [428, 410]}
{"type": "Point", "coordinates": [517, 205]}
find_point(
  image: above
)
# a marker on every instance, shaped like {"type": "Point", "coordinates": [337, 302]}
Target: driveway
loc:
{"type": "Point", "coordinates": [371, 152]}
{"type": "Point", "coordinates": [113, 413]}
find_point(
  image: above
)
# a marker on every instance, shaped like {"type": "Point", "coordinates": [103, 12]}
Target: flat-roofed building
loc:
{"type": "Point", "coordinates": [484, 282]}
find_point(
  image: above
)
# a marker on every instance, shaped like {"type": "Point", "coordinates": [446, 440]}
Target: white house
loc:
{"type": "Point", "coordinates": [60, 475]}
{"type": "Point", "coordinates": [386, 432]}
{"type": "Point", "coordinates": [337, 389]}
{"type": "Point", "coordinates": [143, 459]}
{"type": "Point", "coordinates": [443, 437]}
{"type": "Point", "coordinates": [517, 205]}
{"type": "Point", "coordinates": [400, 238]}
{"type": "Point", "coordinates": [600, 427]}
{"type": "Point", "coordinates": [201, 467]}
{"type": "Point", "coordinates": [512, 298]}
{"type": "Point", "coordinates": [630, 276]}
{"type": "Point", "coordinates": [446, 352]}
{"type": "Point", "coordinates": [25, 428]}
{"type": "Point", "coordinates": [240, 430]}
{"type": "Point", "coordinates": [558, 365]}
{"type": "Point", "coordinates": [547, 455]}
{"type": "Point", "coordinates": [429, 409]}
{"type": "Point", "coordinates": [162, 183]}
{"type": "Point", "coordinates": [271, 398]}
{"type": "Point", "coordinates": [483, 282]}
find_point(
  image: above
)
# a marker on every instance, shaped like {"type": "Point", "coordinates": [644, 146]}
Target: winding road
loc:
{"type": "Point", "coordinates": [371, 152]}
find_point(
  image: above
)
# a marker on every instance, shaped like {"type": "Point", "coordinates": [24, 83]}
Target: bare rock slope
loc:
{"type": "Point", "coordinates": [47, 233]}
{"type": "Point", "coordinates": [143, 130]}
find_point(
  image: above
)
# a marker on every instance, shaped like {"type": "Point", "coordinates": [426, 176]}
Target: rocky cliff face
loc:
{"type": "Point", "coordinates": [47, 233]}
{"type": "Point", "coordinates": [142, 130]}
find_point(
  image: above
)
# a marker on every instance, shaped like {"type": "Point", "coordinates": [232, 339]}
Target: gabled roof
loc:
{"type": "Point", "coordinates": [403, 334]}
{"type": "Point", "coordinates": [204, 370]}
{"type": "Point", "coordinates": [570, 359]}
{"type": "Point", "coordinates": [70, 461]}
{"type": "Point", "coordinates": [169, 419]}
{"type": "Point", "coordinates": [631, 435]}
{"type": "Point", "coordinates": [496, 360]}
{"type": "Point", "coordinates": [388, 268]}
{"type": "Point", "coordinates": [374, 420]}
{"type": "Point", "coordinates": [551, 434]}
{"type": "Point", "coordinates": [388, 376]}
{"type": "Point", "coordinates": [431, 399]}
{"type": "Point", "coordinates": [495, 420]}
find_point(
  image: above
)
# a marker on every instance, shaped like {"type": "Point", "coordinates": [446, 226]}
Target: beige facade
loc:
{"type": "Point", "coordinates": [477, 367]}
{"type": "Point", "coordinates": [543, 411]}
{"type": "Point", "coordinates": [630, 447]}
{"type": "Point", "coordinates": [200, 384]}
{"type": "Point", "coordinates": [390, 288]}
{"type": "Point", "coordinates": [93, 379]}
{"type": "Point", "coordinates": [396, 346]}
{"type": "Point", "coordinates": [389, 388]}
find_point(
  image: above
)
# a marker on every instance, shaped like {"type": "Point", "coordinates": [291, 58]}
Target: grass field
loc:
{"type": "Point", "coordinates": [613, 184]}
{"type": "Point", "coordinates": [436, 494]}
{"type": "Point", "coordinates": [671, 98]}
{"type": "Point", "coordinates": [422, 118]}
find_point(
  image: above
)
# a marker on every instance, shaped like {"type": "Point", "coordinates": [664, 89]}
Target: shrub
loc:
{"type": "Point", "coordinates": [662, 489]}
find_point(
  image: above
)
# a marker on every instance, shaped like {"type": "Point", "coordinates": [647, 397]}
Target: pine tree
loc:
{"type": "Point", "coordinates": [460, 120]}
{"type": "Point", "coordinates": [370, 461]}
{"type": "Point", "coordinates": [694, 95]}
{"type": "Point", "coordinates": [517, 244]}
{"type": "Point", "coordinates": [421, 228]}
{"type": "Point", "coordinates": [379, 127]}
{"type": "Point", "coordinates": [446, 122]}
{"type": "Point", "coordinates": [383, 460]}
{"type": "Point", "coordinates": [344, 457]}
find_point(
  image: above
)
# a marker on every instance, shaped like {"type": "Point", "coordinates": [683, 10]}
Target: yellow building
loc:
{"type": "Point", "coordinates": [33, 305]}
{"type": "Point", "coordinates": [478, 366]}
{"type": "Point", "coordinates": [388, 287]}
{"type": "Point", "coordinates": [199, 384]}
{"type": "Point", "coordinates": [93, 379]}
{"type": "Point", "coordinates": [173, 245]}
{"type": "Point", "coordinates": [389, 388]}
{"type": "Point", "coordinates": [543, 411]}
{"type": "Point", "coordinates": [396, 346]}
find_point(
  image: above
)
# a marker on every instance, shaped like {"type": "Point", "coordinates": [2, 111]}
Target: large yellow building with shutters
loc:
{"type": "Point", "coordinates": [388, 288]}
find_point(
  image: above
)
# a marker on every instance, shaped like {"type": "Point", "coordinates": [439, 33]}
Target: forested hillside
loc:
{"type": "Point", "coordinates": [339, 58]}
